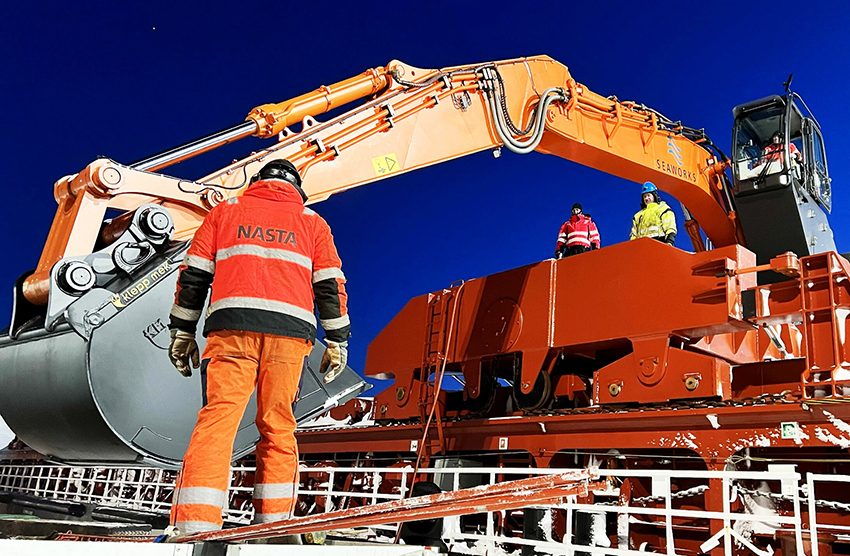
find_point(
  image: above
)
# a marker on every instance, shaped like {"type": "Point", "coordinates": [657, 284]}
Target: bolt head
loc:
{"type": "Point", "coordinates": [111, 176]}
{"type": "Point", "coordinates": [94, 319]}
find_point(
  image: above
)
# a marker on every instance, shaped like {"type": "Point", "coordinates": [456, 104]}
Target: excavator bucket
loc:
{"type": "Point", "coordinates": [96, 385]}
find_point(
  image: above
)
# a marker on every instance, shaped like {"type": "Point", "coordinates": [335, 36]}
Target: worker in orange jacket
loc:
{"type": "Point", "coordinates": [577, 235]}
{"type": "Point", "coordinates": [269, 260]}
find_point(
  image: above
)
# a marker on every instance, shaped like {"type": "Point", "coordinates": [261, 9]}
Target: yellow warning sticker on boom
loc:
{"type": "Point", "coordinates": [386, 164]}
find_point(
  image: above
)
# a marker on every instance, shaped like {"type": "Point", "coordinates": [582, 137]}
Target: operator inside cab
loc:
{"type": "Point", "coordinates": [775, 150]}
{"type": "Point", "coordinates": [761, 144]}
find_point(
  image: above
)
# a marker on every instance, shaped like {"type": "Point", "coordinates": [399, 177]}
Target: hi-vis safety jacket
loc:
{"type": "Point", "coordinates": [268, 259]}
{"type": "Point", "coordinates": [656, 221]}
{"type": "Point", "coordinates": [578, 230]}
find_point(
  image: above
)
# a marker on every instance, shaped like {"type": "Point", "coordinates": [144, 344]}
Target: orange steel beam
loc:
{"type": "Point", "coordinates": [414, 118]}
{"type": "Point", "coordinates": [502, 496]}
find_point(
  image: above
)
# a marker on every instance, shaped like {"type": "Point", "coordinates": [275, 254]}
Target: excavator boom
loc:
{"type": "Point", "coordinates": [414, 118]}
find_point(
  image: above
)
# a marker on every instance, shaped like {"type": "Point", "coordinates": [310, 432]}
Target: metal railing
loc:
{"type": "Point", "coordinates": [671, 499]}
{"type": "Point", "coordinates": [812, 480]}
{"type": "Point", "coordinates": [137, 488]}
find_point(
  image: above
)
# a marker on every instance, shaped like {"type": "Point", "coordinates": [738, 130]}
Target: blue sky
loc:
{"type": "Point", "coordinates": [127, 80]}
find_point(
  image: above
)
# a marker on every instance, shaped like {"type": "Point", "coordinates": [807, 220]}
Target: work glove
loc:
{"type": "Point", "coordinates": [182, 350]}
{"type": "Point", "coordinates": [593, 247]}
{"type": "Point", "coordinates": [171, 534]}
{"type": "Point", "coordinates": [559, 253]}
{"type": "Point", "coordinates": [670, 238]}
{"type": "Point", "coordinates": [334, 360]}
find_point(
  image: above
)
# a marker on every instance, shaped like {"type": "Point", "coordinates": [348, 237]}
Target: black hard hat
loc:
{"type": "Point", "coordinates": [577, 206]}
{"type": "Point", "coordinates": [281, 169]}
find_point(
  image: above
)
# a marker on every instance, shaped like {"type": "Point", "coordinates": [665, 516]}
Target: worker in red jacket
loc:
{"type": "Point", "coordinates": [269, 260]}
{"type": "Point", "coordinates": [577, 235]}
{"type": "Point", "coordinates": [775, 151]}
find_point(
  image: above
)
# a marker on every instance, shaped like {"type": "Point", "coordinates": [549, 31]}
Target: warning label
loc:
{"type": "Point", "coordinates": [386, 164]}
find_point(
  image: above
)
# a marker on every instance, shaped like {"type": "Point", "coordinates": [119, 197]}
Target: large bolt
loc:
{"type": "Point", "coordinates": [399, 394]}
{"type": "Point", "coordinates": [155, 222]}
{"type": "Point", "coordinates": [111, 176]}
{"type": "Point", "coordinates": [75, 277]}
{"type": "Point", "coordinates": [614, 389]}
{"type": "Point", "coordinates": [691, 383]}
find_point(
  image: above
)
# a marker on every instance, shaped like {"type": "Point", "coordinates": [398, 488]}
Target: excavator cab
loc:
{"type": "Point", "coordinates": [781, 185]}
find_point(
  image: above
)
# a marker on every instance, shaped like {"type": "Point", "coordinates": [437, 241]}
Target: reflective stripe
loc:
{"type": "Point", "coordinates": [265, 305]}
{"type": "Point", "coordinates": [202, 495]}
{"type": "Point", "coordinates": [309, 212]}
{"type": "Point", "coordinates": [574, 234]}
{"type": "Point", "coordinates": [562, 236]}
{"type": "Point", "coordinates": [185, 314]}
{"type": "Point", "coordinates": [200, 263]}
{"type": "Point", "coordinates": [192, 527]}
{"type": "Point", "coordinates": [269, 518]}
{"type": "Point", "coordinates": [335, 324]}
{"type": "Point", "coordinates": [264, 491]}
{"type": "Point", "coordinates": [669, 221]}
{"type": "Point", "coordinates": [326, 273]}
{"type": "Point", "coordinates": [651, 230]}
{"type": "Point", "coordinates": [266, 253]}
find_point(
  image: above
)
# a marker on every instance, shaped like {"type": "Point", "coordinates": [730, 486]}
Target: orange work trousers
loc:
{"type": "Point", "coordinates": [239, 361]}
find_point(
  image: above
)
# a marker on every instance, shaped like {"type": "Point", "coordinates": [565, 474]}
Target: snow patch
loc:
{"type": "Point", "coordinates": [801, 435]}
{"type": "Point", "coordinates": [325, 420]}
{"type": "Point", "coordinates": [712, 418]}
{"type": "Point", "coordinates": [681, 439]}
{"type": "Point", "coordinates": [481, 548]}
{"type": "Point", "coordinates": [839, 424]}
{"type": "Point", "coordinates": [826, 436]}
{"type": "Point", "coordinates": [761, 441]}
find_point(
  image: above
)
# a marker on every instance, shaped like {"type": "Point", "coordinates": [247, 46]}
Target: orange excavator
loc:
{"type": "Point", "coordinates": [758, 310]}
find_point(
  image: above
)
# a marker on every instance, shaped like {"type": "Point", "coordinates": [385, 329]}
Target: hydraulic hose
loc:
{"type": "Point", "coordinates": [506, 129]}
{"type": "Point", "coordinates": [523, 147]}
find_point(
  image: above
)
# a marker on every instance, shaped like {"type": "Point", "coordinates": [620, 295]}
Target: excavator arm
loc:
{"type": "Point", "coordinates": [411, 118]}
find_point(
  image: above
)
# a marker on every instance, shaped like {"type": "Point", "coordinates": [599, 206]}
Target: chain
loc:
{"type": "Point", "coordinates": [777, 497]}
{"type": "Point", "coordinates": [696, 491]}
